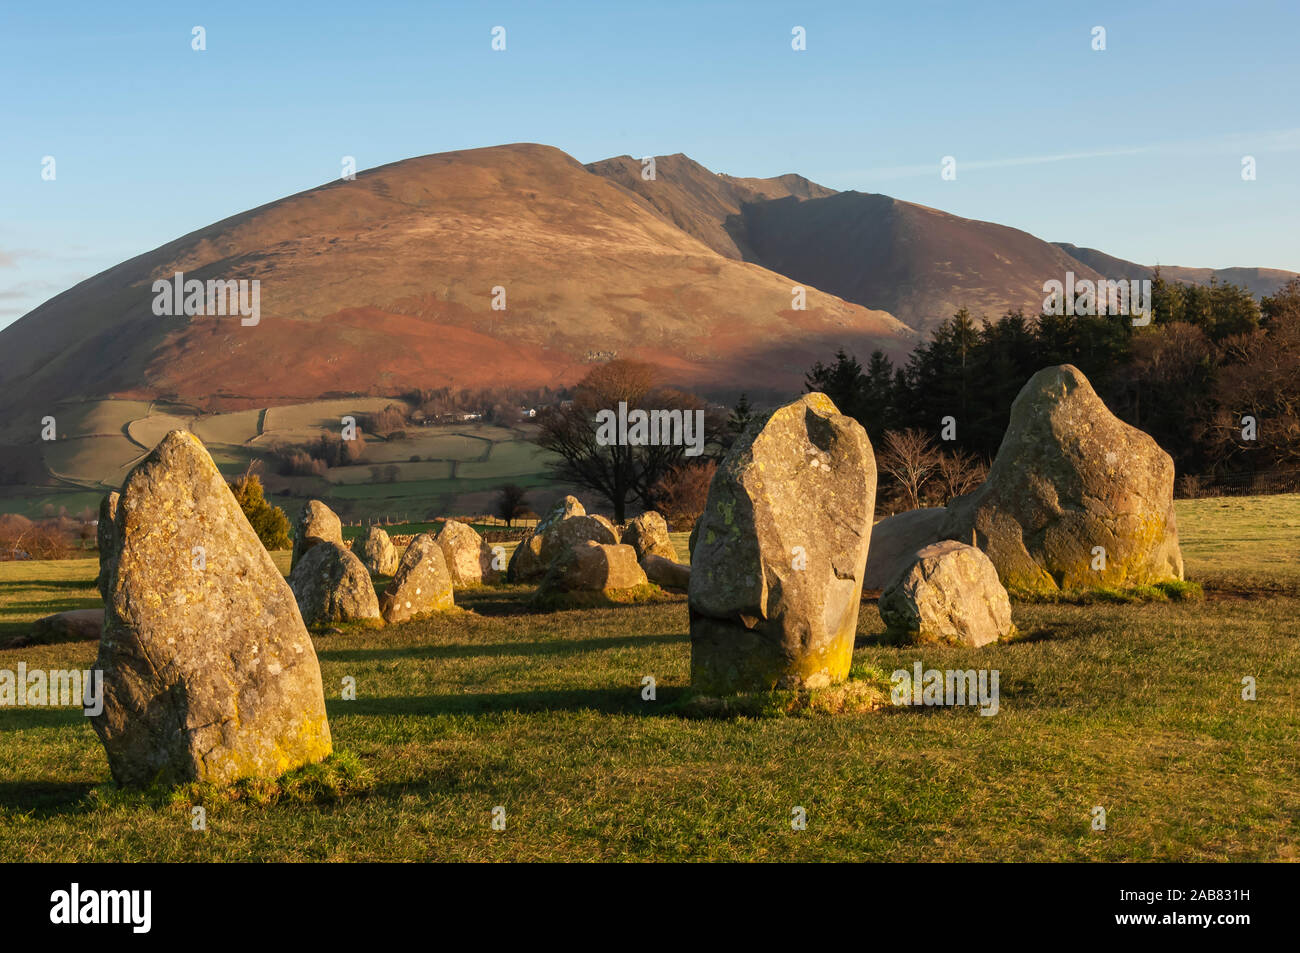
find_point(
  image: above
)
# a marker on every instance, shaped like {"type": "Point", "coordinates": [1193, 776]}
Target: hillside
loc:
{"type": "Point", "coordinates": [919, 264]}
{"type": "Point", "coordinates": [384, 283]}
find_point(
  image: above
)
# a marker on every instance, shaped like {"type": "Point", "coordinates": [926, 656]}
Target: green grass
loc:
{"type": "Point", "coordinates": [1134, 706]}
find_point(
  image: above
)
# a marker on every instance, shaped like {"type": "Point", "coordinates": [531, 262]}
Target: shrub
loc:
{"type": "Point", "coordinates": [267, 520]}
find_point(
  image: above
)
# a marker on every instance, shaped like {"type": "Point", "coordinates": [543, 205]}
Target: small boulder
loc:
{"type": "Point", "coordinates": [376, 551]}
{"type": "Point", "coordinates": [468, 556]}
{"type": "Point", "coordinates": [75, 625]}
{"type": "Point", "coordinates": [594, 567]}
{"type": "Point", "coordinates": [421, 584]}
{"type": "Point", "coordinates": [666, 573]}
{"type": "Point", "coordinates": [776, 575]}
{"type": "Point", "coordinates": [332, 585]}
{"type": "Point", "coordinates": [526, 562]}
{"type": "Point", "coordinates": [570, 533]}
{"type": "Point", "coordinates": [316, 523]}
{"type": "Point", "coordinates": [209, 674]}
{"type": "Point", "coordinates": [647, 534]}
{"type": "Point", "coordinates": [948, 593]}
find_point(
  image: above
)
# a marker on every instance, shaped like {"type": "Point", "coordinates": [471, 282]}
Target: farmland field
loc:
{"type": "Point", "coordinates": [99, 441]}
{"type": "Point", "coordinates": [1133, 707]}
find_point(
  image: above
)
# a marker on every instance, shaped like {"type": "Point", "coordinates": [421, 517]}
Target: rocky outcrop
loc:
{"type": "Point", "coordinates": [648, 535]}
{"type": "Point", "coordinates": [895, 540]}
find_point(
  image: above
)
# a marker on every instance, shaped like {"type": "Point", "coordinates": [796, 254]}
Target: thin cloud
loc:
{"type": "Point", "coordinates": [1284, 140]}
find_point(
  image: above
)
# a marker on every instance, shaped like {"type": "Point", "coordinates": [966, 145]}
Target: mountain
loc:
{"type": "Point", "coordinates": [707, 205]}
{"type": "Point", "coordinates": [919, 264]}
{"type": "Point", "coordinates": [386, 282]}
{"type": "Point", "coordinates": [1260, 282]}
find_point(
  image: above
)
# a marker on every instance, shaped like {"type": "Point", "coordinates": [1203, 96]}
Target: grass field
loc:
{"type": "Point", "coordinates": [1136, 708]}
{"type": "Point", "coordinates": [99, 441]}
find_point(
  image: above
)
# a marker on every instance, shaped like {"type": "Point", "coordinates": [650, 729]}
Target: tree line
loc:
{"type": "Point", "coordinates": [1214, 378]}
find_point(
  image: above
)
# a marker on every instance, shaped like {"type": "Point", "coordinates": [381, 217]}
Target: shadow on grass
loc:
{"type": "Point", "coordinates": [614, 701]}
{"type": "Point", "coordinates": [21, 719]}
{"type": "Point", "coordinates": [498, 649]}
{"type": "Point", "coordinates": [43, 799]}
{"type": "Point", "coordinates": [26, 585]}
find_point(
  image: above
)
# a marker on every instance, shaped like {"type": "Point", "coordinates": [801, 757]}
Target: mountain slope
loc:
{"type": "Point", "coordinates": [917, 263]}
{"type": "Point", "coordinates": [704, 204]}
{"type": "Point", "coordinates": [386, 282]}
{"type": "Point", "coordinates": [1258, 281]}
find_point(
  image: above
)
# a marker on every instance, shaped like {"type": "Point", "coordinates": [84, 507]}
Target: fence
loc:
{"type": "Point", "coordinates": [1259, 483]}
{"type": "Point", "coordinates": [407, 519]}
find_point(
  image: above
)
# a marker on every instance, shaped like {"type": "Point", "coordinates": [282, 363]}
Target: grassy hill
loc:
{"type": "Point", "coordinates": [1136, 708]}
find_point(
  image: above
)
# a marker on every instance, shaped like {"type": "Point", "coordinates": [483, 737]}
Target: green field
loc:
{"type": "Point", "coordinates": [99, 441]}
{"type": "Point", "coordinates": [1132, 707]}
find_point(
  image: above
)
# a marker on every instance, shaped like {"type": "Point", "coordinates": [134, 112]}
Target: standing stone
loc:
{"type": "Point", "coordinates": [316, 523]}
{"type": "Point", "coordinates": [1070, 477]}
{"type": "Point", "coordinates": [648, 534]}
{"type": "Point", "coordinates": [106, 540]}
{"type": "Point", "coordinates": [467, 554]}
{"type": "Point", "coordinates": [421, 584]}
{"type": "Point", "coordinates": [209, 673]}
{"type": "Point", "coordinates": [776, 576]}
{"type": "Point", "coordinates": [376, 551]}
{"type": "Point", "coordinates": [331, 585]}
{"type": "Point", "coordinates": [526, 563]}
{"type": "Point", "coordinates": [949, 593]}
{"type": "Point", "coordinates": [570, 533]}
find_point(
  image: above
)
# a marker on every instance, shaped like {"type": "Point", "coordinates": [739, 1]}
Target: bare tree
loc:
{"type": "Point", "coordinates": [683, 491]}
{"type": "Point", "coordinates": [511, 502]}
{"type": "Point", "coordinates": [911, 458]}
{"type": "Point", "coordinates": [959, 472]}
{"type": "Point", "coordinates": [619, 470]}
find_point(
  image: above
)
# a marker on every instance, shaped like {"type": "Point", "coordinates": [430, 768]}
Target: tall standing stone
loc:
{"type": "Point", "coordinates": [316, 523]}
{"type": "Point", "coordinates": [1075, 499]}
{"type": "Point", "coordinates": [776, 574]}
{"type": "Point", "coordinates": [209, 673]}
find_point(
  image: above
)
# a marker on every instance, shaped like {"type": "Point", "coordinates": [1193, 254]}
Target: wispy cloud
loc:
{"type": "Point", "coordinates": [1284, 140]}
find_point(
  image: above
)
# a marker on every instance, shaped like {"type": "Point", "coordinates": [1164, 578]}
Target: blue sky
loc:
{"type": "Point", "coordinates": [1136, 150]}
